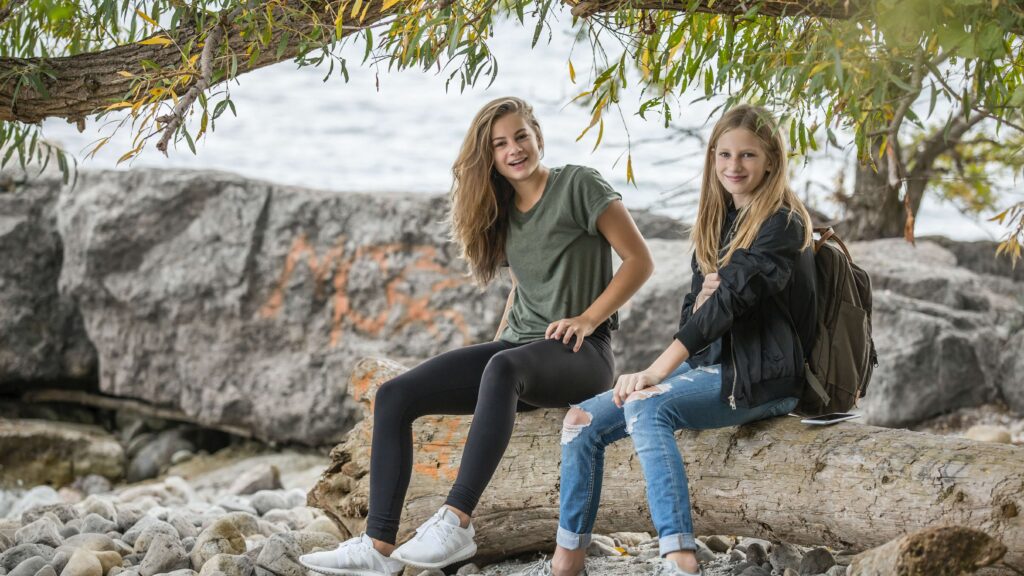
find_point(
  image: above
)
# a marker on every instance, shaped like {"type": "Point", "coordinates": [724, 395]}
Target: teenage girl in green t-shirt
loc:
{"type": "Point", "coordinates": [554, 228]}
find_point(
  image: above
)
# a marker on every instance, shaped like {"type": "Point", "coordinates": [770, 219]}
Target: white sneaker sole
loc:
{"type": "Point", "coordinates": [460, 555]}
{"type": "Point", "coordinates": [346, 571]}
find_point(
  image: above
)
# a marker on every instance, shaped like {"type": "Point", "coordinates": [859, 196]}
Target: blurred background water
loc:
{"type": "Point", "coordinates": [401, 131]}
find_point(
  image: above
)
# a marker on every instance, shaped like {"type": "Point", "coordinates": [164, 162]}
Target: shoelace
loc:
{"type": "Point", "coordinates": [355, 551]}
{"type": "Point", "coordinates": [437, 520]}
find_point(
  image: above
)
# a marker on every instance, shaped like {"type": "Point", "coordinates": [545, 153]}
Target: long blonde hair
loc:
{"type": "Point", "coordinates": [480, 196]}
{"type": "Point", "coordinates": [771, 194]}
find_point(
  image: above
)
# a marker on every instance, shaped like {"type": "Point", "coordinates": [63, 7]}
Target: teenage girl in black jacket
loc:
{"type": "Point", "coordinates": [737, 357]}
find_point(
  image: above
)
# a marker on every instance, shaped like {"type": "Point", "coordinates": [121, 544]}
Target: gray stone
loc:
{"type": "Point", "coordinates": [61, 557]}
{"type": "Point", "coordinates": [280, 556]}
{"type": "Point", "coordinates": [165, 554]}
{"type": "Point", "coordinates": [221, 537]}
{"type": "Point", "coordinates": [154, 457]}
{"type": "Point", "coordinates": [15, 555]}
{"type": "Point", "coordinates": [39, 497]}
{"type": "Point", "coordinates": [468, 570]}
{"type": "Point", "coordinates": [266, 500]}
{"type": "Point", "coordinates": [96, 524]}
{"type": "Point", "coordinates": [937, 328]}
{"type": "Point", "coordinates": [720, 544]}
{"type": "Point", "coordinates": [100, 506]}
{"type": "Point", "coordinates": [1011, 385]}
{"type": "Point", "coordinates": [169, 267]}
{"type": "Point", "coordinates": [236, 504]}
{"type": "Point", "coordinates": [41, 452]}
{"type": "Point", "coordinates": [98, 542]}
{"type": "Point", "coordinates": [68, 532]}
{"type": "Point", "coordinates": [83, 563]}
{"type": "Point", "coordinates": [836, 571]}
{"type": "Point", "coordinates": [127, 516]}
{"type": "Point", "coordinates": [28, 567]}
{"type": "Point", "coordinates": [746, 542]}
{"type": "Point", "coordinates": [43, 531]}
{"type": "Point", "coordinates": [183, 524]}
{"type": "Point", "coordinates": [92, 484]}
{"type": "Point", "coordinates": [816, 561]}
{"type": "Point", "coordinates": [260, 477]}
{"type": "Point", "coordinates": [42, 338]}
{"type": "Point", "coordinates": [785, 556]}
{"type": "Point", "coordinates": [133, 533]}
{"type": "Point", "coordinates": [756, 553]}
{"type": "Point", "coordinates": [229, 565]}
{"type": "Point", "coordinates": [756, 571]}
{"type": "Point", "coordinates": [47, 570]}
{"type": "Point", "coordinates": [152, 533]}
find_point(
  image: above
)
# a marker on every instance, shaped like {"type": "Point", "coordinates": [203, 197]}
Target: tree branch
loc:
{"type": "Point", "coordinates": [836, 9]}
{"type": "Point", "coordinates": [81, 85]}
{"type": "Point", "coordinates": [210, 48]}
{"type": "Point", "coordinates": [10, 8]}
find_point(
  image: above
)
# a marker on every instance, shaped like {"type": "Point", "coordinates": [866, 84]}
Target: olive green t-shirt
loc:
{"type": "Point", "coordinates": [560, 260]}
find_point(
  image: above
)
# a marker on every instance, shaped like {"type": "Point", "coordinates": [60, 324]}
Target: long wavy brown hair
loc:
{"type": "Point", "coordinates": [480, 196]}
{"type": "Point", "coordinates": [773, 192]}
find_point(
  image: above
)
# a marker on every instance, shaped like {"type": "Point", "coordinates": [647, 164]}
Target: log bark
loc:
{"type": "Point", "coordinates": [80, 85]}
{"type": "Point", "coordinates": [848, 486]}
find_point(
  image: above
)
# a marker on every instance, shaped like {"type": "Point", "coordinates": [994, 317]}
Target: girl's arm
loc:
{"type": "Point", "coordinates": [670, 359]}
{"type": "Point", "coordinates": [508, 306]}
{"type": "Point", "coordinates": [617, 226]}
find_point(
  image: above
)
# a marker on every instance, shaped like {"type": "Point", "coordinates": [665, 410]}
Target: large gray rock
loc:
{"type": "Point", "coordinates": [944, 334]}
{"type": "Point", "coordinates": [651, 317]}
{"type": "Point", "coordinates": [42, 338]}
{"type": "Point", "coordinates": [220, 296]}
{"type": "Point", "coordinates": [35, 452]}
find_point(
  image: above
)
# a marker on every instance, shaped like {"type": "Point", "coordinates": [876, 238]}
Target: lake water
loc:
{"type": "Point", "coordinates": [403, 134]}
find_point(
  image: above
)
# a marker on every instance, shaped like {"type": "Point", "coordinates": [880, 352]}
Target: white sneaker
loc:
{"type": "Point", "coordinates": [438, 542]}
{"type": "Point", "coordinates": [667, 567]}
{"type": "Point", "coordinates": [356, 557]}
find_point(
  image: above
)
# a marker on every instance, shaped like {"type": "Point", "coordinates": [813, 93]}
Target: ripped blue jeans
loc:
{"type": "Point", "coordinates": [688, 398]}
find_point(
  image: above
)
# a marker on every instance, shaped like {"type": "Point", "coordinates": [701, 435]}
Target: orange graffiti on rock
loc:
{"type": "Point", "coordinates": [337, 265]}
{"type": "Point", "coordinates": [439, 452]}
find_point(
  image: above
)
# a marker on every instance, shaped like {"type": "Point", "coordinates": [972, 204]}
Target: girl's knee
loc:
{"type": "Point", "coordinates": [576, 422]}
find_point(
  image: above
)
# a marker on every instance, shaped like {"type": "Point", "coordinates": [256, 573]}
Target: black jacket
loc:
{"type": "Point", "coordinates": [763, 311]}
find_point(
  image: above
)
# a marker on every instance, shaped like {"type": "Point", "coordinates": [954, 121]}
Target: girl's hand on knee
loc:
{"type": "Point", "coordinates": [566, 328]}
{"type": "Point", "coordinates": [629, 383]}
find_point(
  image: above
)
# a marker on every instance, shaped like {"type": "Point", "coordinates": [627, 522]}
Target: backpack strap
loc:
{"type": "Point", "coordinates": [830, 234]}
{"type": "Point", "coordinates": [816, 384]}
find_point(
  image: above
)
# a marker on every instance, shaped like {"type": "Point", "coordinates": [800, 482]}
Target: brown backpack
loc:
{"type": "Point", "coordinates": [839, 366]}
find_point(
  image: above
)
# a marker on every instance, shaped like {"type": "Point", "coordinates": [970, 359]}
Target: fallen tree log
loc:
{"type": "Point", "coordinates": [848, 486]}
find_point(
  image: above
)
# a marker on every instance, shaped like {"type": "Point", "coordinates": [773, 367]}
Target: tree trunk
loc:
{"type": "Point", "coordinates": [874, 210]}
{"type": "Point", "coordinates": [848, 486]}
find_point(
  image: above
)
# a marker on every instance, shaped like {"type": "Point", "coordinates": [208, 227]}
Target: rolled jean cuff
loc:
{"type": "Point", "coordinates": [675, 543]}
{"type": "Point", "coordinates": [571, 540]}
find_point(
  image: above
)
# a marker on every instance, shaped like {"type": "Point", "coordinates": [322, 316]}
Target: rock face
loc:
{"type": "Point", "coordinates": [36, 452]}
{"type": "Point", "coordinates": [244, 303]}
{"type": "Point", "coordinates": [41, 332]}
{"type": "Point", "coordinates": [945, 335]}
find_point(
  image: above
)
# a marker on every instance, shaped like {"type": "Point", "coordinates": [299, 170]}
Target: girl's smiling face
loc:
{"type": "Point", "coordinates": [517, 147]}
{"type": "Point", "coordinates": [740, 164]}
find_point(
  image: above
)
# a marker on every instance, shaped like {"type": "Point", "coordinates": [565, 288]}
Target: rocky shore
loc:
{"type": "Point", "coordinates": [175, 349]}
{"type": "Point", "coordinates": [237, 514]}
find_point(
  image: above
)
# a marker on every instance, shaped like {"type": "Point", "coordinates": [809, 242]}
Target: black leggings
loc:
{"type": "Point", "coordinates": [492, 381]}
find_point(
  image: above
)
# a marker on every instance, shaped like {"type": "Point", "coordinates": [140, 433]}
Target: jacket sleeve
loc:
{"type": "Point", "coordinates": [696, 282]}
{"type": "Point", "coordinates": [752, 275]}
